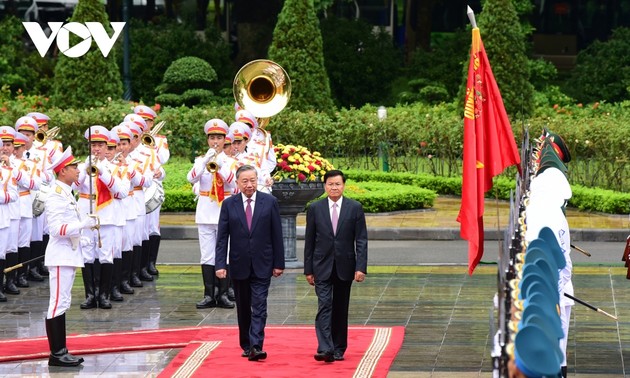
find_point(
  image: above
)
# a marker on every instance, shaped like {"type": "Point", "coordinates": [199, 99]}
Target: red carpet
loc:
{"type": "Point", "coordinates": [371, 351]}
{"type": "Point", "coordinates": [290, 349]}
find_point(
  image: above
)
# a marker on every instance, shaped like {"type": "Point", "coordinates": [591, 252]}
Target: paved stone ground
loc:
{"type": "Point", "coordinates": [445, 313]}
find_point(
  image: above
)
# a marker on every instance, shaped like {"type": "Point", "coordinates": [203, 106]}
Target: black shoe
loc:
{"type": "Point", "coordinates": [144, 275]}
{"type": "Point", "coordinates": [207, 302]}
{"type": "Point", "coordinates": [103, 302]}
{"type": "Point", "coordinates": [326, 357]}
{"type": "Point", "coordinates": [125, 288]}
{"type": "Point", "coordinates": [135, 281]}
{"type": "Point", "coordinates": [64, 358]}
{"type": "Point", "coordinates": [90, 302]}
{"type": "Point", "coordinates": [43, 270]}
{"type": "Point", "coordinates": [10, 288]}
{"type": "Point", "coordinates": [33, 275]}
{"type": "Point", "coordinates": [339, 356]}
{"type": "Point", "coordinates": [231, 295]}
{"type": "Point", "coordinates": [224, 302]}
{"type": "Point", "coordinates": [152, 270]}
{"type": "Point", "coordinates": [256, 354]}
{"type": "Point", "coordinates": [3, 298]}
{"type": "Point", "coordinates": [21, 281]}
{"type": "Point", "coordinates": [115, 295]}
{"type": "Point", "coordinates": [245, 353]}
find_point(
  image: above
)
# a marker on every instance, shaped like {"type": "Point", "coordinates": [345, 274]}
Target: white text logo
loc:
{"type": "Point", "coordinates": [61, 33]}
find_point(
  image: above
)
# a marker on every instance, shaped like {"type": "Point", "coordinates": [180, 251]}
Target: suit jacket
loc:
{"type": "Point", "coordinates": [257, 252]}
{"type": "Point", "coordinates": [347, 249]}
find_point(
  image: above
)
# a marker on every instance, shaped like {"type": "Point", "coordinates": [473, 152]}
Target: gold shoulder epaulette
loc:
{"type": "Point", "coordinates": [58, 189]}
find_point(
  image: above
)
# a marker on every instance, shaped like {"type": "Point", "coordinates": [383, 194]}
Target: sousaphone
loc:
{"type": "Point", "coordinates": [263, 88]}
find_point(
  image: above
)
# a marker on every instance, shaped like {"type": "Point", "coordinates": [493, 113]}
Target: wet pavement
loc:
{"type": "Point", "coordinates": [445, 311]}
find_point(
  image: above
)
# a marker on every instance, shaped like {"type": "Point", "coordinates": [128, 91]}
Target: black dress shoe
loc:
{"type": "Point", "coordinates": [152, 270]}
{"type": "Point", "coordinates": [135, 281]}
{"type": "Point", "coordinates": [64, 358]}
{"type": "Point", "coordinates": [256, 354]}
{"type": "Point", "coordinates": [224, 302]}
{"type": "Point", "coordinates": [206, 302]}
{"type": "Point", "coordinates": [144, 275]}
{"type": "Point", "coordinates": [339, 356]}
{"type": "Point", "coordinates": [33, 275]}
{"type": "Point", "coordinates": [10, 288]}
{"type": "Point", "coordinates": [103, 302]}
{"type": "Point", "coordinates": [326, 357]}
{"type": "Point", "coordinates": [115, 295]}
{"type": "Point", "coordinates": [231, 295]}
{"type": "Point", "coordinates": [90, 302]}
{"type": "Point", "coordinates": [245, 353]}
{"type": "Point", "coordinates": [21, 281]}
{"type": "Point", "coordinates": [125, 288]}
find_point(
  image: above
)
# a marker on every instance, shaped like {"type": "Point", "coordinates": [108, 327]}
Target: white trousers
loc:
{"type": "Point", "coordinates": [128, 235]}
{"type": "Point", "coordinates": [25, 232]}
{"type": "Point", "coordinates": [207, 242]}
{"type": "Point", "coordinates": [110, 237]}
{"type": "Point", "coordinates": [14, 228]}
{"type": "Point", "coordinates": [4, 242]}
{"type": "Point", "coordinates": [38, 228]}
{"type": "Point", "coordinates": [141, 231]}
{"type": "Point", "coordinates": [565, 318]}
{"type": "Point", "coordinates": [61, 279]}
{"type": "Point", "coordinates": [152, 222]}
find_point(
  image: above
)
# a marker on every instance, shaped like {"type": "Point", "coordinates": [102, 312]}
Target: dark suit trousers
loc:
{"type": "Point", "coordinates": [251, 310]}
{"type": "Point", "coordinates": [331, 322]}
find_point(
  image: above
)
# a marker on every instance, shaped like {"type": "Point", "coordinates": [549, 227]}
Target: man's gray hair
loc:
{"type": "Point", "coordinates": [245, 168]}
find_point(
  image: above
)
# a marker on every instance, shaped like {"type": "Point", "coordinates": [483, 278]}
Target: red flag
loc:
{"type": "Point", "coordinates": [489, 147]}
{"type": "Point", "coordinates": [103, 195]}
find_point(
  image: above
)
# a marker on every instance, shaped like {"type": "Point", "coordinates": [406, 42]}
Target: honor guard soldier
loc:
{"type": "Point", "coordinates": [143, 165]}
{"type": "Point", "coordinates": [215, 175]}
{"type": "Point", "coordinates": [63, 254]}
{"type": "Point", "coordinates": [98, 188]}
{"type": "Point", "coordinates": [28, 126]}
{"type": "Point", "coordinates": [8, 197]}
{"type": "Point", "coordinates": [160, 146]}
{"type": "Point", "coordinates": [28, 181]}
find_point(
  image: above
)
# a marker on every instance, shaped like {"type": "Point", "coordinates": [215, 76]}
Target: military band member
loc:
{"type": "Point", "coordinates": [28, 126]}
{"type": "Point", "coordinates": [98, 188]}
{"type": "Point", "coordinates": [153, 218]}
{"type": "Point", "coordinates": [144, 162]}
{"type": "Point", "coordinates": [63, 255]}
{"type": "Point", "coordinates": [260, 146]}
{"type": "Point", "coordinates": [8, 201]}
{"type": "Point", "coordinates": [215, 175]}
{"type": "Point", "coordinates": [27, 181]}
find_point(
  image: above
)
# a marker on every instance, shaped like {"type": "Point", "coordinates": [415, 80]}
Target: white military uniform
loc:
{"type": "Point", "coordinates": [8, 195]}
{"type": "Point", "coordinates": [28, 182]}
{"type": "Point", "coordinates": [64, 250]}
{"type": "Point", "coordinates": [548, 192]}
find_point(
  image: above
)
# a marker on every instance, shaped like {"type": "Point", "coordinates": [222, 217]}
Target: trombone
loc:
{"type": "Point", "coordinates": [43, 136]}
{"type": "Point", "coordinates": [148, 139]}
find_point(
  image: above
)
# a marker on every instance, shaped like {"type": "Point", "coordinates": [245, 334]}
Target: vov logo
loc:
{"type": "Point", "coordinates": [61, 33]}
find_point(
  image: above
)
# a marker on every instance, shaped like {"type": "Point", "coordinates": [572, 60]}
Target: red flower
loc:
{"type": "Point", "coordinates": [287, 168]}
{"type": "Point", "coordinates": [301, 177]}
{"type": "Point", "coordinates": [284, 156]}
{"type": "Point", "coordinates": [311, 168]}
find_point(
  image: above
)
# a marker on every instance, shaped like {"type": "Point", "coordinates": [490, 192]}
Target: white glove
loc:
{"type": "Point", "coordinates": [209, 155]}
{"type": "Point", "coordinates": [85, 241]}
{"type": "Point", "coordinates": [88, 223]}
{"type": "Point", "coordinates": [102, 165]}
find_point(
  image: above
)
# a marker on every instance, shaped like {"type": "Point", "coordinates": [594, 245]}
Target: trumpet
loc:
{"type": "Point", "coordinates": [211, 165]}
{"type": "Point", "coordinates": [43, 136]}
{"type": "Point", "coordinates": [90, 165]}
{"type": "Point", "coordinates": [148, 139]}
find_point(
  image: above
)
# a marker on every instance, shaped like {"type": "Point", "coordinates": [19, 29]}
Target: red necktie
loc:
{"type": "Point", "coordinates": [335, 218]}
{"type": "Point", "coordinates": [248, 214]}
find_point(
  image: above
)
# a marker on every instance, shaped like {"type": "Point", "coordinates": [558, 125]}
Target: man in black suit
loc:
{"type": "Point", "coordinates": [335, 253]}
{"type": "Point", "coordinates": [250, 221]}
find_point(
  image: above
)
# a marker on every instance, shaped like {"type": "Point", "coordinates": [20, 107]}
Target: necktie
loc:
{"type": "Point", "coordinates": [335, 218]}
{"type": "Point", "coordinates": [248, 214]}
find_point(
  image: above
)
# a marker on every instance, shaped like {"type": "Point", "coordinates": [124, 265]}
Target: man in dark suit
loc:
{"type": "Point", "coordinates": [335, 253]}
{"type": "Point", "coordinates": [250, 221]}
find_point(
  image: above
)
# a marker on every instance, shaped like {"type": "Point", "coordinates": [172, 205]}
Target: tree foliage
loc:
{"type": "Point", "coordinates": [603, 70]}
{"type": "Point", "coordinates": [91, 79]}
{"type": "Point", "coordinates": [298, 47]}
{"type": "Point", "coordinates": [504, 40]}
{"type": "Point", "coordinates": [361, 64]}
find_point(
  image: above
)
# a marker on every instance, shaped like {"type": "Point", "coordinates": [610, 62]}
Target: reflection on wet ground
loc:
{"type": "Point", "coordinates": [445, 313]}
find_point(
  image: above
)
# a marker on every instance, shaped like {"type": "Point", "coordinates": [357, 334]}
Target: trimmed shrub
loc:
{"type": "Point", "coordinates": [185, 81]}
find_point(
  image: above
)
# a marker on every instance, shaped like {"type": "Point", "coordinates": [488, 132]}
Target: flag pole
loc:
{"type": "Point", "coordinates": [471, 16]}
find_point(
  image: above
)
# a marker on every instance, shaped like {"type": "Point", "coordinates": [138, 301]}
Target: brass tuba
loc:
{"type": "Point", "coordinates": [262, 87]}
{"type": "Point", "coordinates": [148, 139]}
{"type": "Point", "coordinates": [43, 136]}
